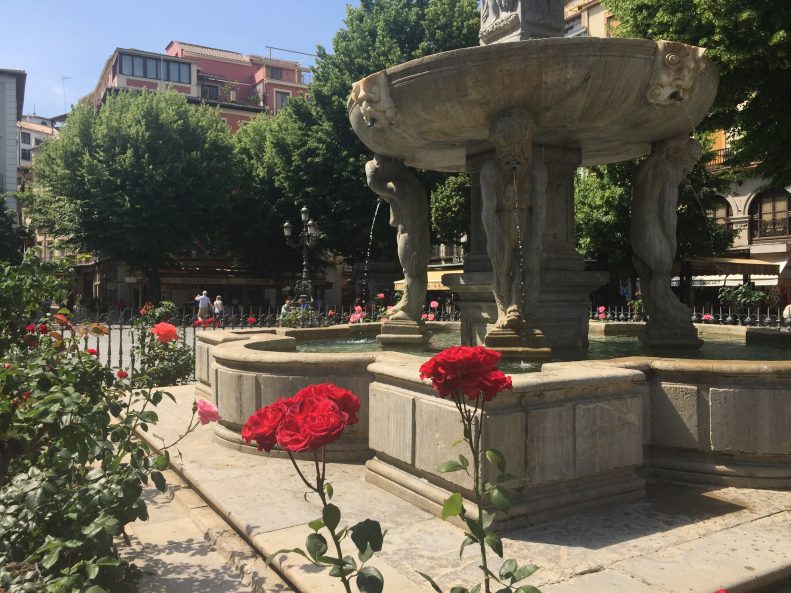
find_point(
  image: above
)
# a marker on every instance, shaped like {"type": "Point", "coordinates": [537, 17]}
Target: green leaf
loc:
{"type": "Point", "coordinates": [367, 533]}
{"type": "Point", "coordinates": [476, 588]}
{"type": "Point", "coordinates": [370, 580]}
{"type": "Point", "coordinates": [459, 590]}
{"type": "Point", "coordinates": [51, 558]}
{"type": "Point", "coordinates": [500, 499]}
{"type": "Point", "coordinates": [96, 589]}
{"type": "Point", "coordinates": [475, 528]}
{"type": "Point", "coordinates": [496, 458]}
{"type": "Point", "coordinates": [486, 519]}
{"type": "Point", "coordinates": [159, 481]}
{"type": "Point", "coordinates": [452, 506]}
{"type": "Point", "coordinates": [331, 515]}
{"type": "Point", "coordinates": [495, 543]}
{"type": "Point", "coordinates": [527, 589]}
{"type": "Point", "coordinates": [273, 555]}
{"type": "Point", "coordinates": [94, 474]}
{"type": "Point", "coordinates": [316, 545]}
{"type": "Point", "coordinates": [366, 555]}
{"type": "Point", "coordinates": [163, 460]}
{"type": "Point", "coordinates": [328, 489]}
{"type": "Point", "coordinates": [506, 478]}
{"type": "Point", "coordinates": [465, 463]}
{"type": "Point", "coordinates": [316, 524]}
{"type": "Point", "coordinates": [467, 541]}
{"type": "Point", "coordinates": [449, 466]}
{"type": "Point", "coordinates": [524, 571]}
{"type": "Point", "coordinates": [434, 585]}
{"type": "Point", "coordinates": [507, 569]}
{"type": "Point", "coordinates": [91, 571]}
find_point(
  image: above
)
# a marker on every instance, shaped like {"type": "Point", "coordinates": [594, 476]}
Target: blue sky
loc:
{"type": "Point", "coordinates": [51, 39]}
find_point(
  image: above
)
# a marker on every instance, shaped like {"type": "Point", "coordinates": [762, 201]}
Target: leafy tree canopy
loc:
{"type": "Point", "coordinates": [751, 44]}
{"type": "Point", "coordinates": [450, 209]}
{"type": "Point", "coordinates": [141, 179]}
{"type": "Point", "coordinates": [315, 156]}
{"type": "Point", "coordinates": [603, 197]}
{"type": "Point", "coordinates": [12, 236]}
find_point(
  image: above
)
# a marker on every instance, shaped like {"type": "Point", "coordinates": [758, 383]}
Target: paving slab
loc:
{"type": "Point", "coordinates": [678, 539]}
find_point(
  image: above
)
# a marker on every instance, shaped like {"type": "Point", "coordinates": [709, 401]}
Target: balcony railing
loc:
{"type": "Point", "coordinates": [719, 157]}
{"type": "Point", "coordinates": [766, 228]}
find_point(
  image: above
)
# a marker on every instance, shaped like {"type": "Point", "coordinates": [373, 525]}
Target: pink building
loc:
{"type": "Point", "coordinates": [241, 86]}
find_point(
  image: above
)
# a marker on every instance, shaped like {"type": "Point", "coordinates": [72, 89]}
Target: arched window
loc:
{"type": "Point", "coordinates": [722, 212]}
{"type": "Point", "coordinates": [769, 212]}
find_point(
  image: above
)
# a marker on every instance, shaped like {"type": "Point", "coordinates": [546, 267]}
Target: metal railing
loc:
{"type": "Point", "coordinates": [770, 317]}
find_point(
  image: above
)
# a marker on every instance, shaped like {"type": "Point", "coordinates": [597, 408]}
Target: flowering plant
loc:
{"type": "Point", "coordinates": [306, 422]}
{"type": "Point", "coordinates": [707, 317]}
{"type": "Point", "coordinates": [164, 358]}
{"type": "Point", "coordinates": [469, 377]}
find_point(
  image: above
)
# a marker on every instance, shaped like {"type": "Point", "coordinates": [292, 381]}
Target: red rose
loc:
{"type": "Point", "coordinates": [165, 332]}
{"type": "Point", "coordinates": [464, 369]}
{"type": "Point", "coordinates": [43, 328]}
{"type": "Point", "coordinates": [331, 314]}
{"type": "Point", "coordinates": [30, 328]}
{"type": "Point", "coordinates": [25, 395]}
{"type": "Point", "coordinates": [262, 425]}
{"type": "Point", "coordinates": [16, 401]}
{"type": "Point", "coordinates": [311, 423]}
{"type": "Point", "coordinates": [197, 323]}
{"type": "Point", "coordinates": [251, 320]}
{"type": "Point", "coordinates": [345, 399]}
{"type": "Point", "coordinates": [92, 351]}
{"type": "Point", "coordinates": [122, 374]}
{"type": "Point", "coordinates": [488, 385]}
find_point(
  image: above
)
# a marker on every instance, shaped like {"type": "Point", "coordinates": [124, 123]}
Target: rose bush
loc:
{"type": "Point", "coordinates": [469, 377]}
{"type": "Point", "coordinates": [306, 422]}
{"type": "Point", "coordinates": [164, 358]}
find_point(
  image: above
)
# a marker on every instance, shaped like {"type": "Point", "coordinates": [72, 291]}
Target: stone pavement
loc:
{"type": "Point", "coordinates": [678, 540]}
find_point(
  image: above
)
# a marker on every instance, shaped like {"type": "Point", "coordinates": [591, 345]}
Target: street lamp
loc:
{"type": "Point", "coordinates": [307, 239]}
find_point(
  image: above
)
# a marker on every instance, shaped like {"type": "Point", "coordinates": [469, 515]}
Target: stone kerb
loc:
{"type": "Point", "coordinates": [205, 342]}
{"type": "Point", "coordinates": [719, 422]}
{"type": "Point", "coordinates": [575, 433]}
{"type": "Point", "coordinates": [250, 374]}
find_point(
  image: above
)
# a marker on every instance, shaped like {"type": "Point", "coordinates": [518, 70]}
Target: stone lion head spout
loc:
{"type": "Point", "coordinates": [372, 94]}
{"type": "Point", "coordinates": [675, 68]}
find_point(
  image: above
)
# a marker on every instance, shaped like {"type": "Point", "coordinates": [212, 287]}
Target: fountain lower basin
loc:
{"type": "Point", "coordinates": [581, 433]}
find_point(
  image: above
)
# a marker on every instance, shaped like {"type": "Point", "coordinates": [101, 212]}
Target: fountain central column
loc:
{"type": "Point", "coordinates": [513, 209]}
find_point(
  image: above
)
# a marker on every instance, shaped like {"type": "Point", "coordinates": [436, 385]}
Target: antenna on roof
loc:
{"type": "Point", "coordinates": [63, 80]}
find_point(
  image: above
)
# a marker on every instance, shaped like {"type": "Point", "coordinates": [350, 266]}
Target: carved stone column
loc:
{"type": "Point", "coordinates": [653, 236]}
{"type": "Point", "coordinates": [409, 214]}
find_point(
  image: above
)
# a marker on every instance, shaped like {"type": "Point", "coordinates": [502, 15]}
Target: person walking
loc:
{"type": "Point", "coordinates": [218, 307]}
{"type": "Point", "coordinates": [204, 302]}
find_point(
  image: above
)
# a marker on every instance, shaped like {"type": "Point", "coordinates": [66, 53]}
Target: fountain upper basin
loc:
{"type": "Point", "coordinates": [608, 97]}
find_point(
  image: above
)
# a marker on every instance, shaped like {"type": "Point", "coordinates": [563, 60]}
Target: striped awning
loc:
{"type": "Point", "coordinates": [718, 266]}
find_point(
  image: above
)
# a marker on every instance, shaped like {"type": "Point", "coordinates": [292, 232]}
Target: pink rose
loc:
{"type": "Point", "coordinates": [602, 316]}
{"type": "Point", "coordinates": [380, 296]}
{"type": "Point", "coordinates": [358, 309]}
{"type": "Point", "coordinates": [431, 316]}
{"type": "Point", "coordinates": [424, 316]}
{"type": "Point", "coordinates": [331, 314]}
{"type": "Point", "coordinates": [207, 411]}
{"type": "Point", "coordinates": [433, 304]}
{"type": "Point", "coordinates": [708, 317]}
{"type": "Point", "coordinates": [602, 309]}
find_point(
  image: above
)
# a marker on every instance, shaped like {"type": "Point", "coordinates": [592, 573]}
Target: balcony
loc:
{"type": "Point", "coordinates": [719, 158]}
{"type": "Point", "coordinates": [769, 228]}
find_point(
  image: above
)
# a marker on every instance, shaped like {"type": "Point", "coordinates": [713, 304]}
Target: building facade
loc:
{"type": "Point", "coordinates": [12, 99]}
{"type": "Point", "coordinates": [241, 86]}
{"type": "Point", "coordinates": [32, 132]}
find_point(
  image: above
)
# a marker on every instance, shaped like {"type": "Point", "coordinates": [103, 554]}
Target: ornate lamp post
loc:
{"type": "Point", "coordinates": [307, 239]}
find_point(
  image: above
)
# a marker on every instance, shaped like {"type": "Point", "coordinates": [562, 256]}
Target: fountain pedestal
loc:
{"type": "Point", "coordinates": [403, 334]}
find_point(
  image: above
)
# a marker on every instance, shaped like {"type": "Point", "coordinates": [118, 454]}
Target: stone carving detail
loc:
{"type": "Point", "coordinates": [675, 68]}
{"type": "Point", "coordinates": [513, 193]}
{"type": "Point", "coordinates": [653, 236]}
{"type": "Point", "coordinates": [372, 94]}
{"type": "Point", "coordinates": [498, 19]}
{"type": "Point", "coordinates": [512, 20]}
{"type": "Point", "coordinates": [400, 188]}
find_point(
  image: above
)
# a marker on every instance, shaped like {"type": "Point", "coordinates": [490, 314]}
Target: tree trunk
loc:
{"type": "Point", "coordinates": [154, 287]}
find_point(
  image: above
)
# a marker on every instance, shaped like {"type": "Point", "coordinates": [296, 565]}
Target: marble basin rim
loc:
{"type": "Point", "coordinates": [586, 93]}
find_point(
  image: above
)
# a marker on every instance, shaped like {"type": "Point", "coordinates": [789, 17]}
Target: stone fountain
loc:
{"type": "Point", "coordinates": [520, 113]}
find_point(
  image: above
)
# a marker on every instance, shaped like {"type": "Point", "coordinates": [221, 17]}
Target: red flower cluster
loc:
{"type": "Point", "coordinates": [251, 320]}
{"type": "Point", "coordinates": [42, 328]}
{"type": "Point", "coordinates": [30, 328]}
{"type": "Point", "coordinates": [165, 332]}
{"type": "Point", "coordinates": [471, 370]}
{"type": "Point", "coordinates": [313, 417]}
{"type": "Point", "coordinates": [92, 351]}
{"type": "Point", "coordinates": [122, 374]}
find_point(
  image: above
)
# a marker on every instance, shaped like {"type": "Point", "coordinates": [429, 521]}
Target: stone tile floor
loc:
{"type": "Point", "coordinates": [678, 540]}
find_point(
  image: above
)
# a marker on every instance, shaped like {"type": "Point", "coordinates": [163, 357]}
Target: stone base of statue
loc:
{"type": "Point", "coordinates": [663, 335]}
{"type": "Point", "coordinates": [403, 334]}
{"type": "Point", "coordinates": [527, 344]}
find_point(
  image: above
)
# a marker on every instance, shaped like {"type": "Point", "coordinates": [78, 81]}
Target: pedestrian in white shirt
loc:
{"type": "Point", "coordinates": [204, 302]}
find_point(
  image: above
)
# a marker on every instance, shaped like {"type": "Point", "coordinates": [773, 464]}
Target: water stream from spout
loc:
{"type": "Point", "coordinates": [365, 289]}
{"type": "Point", "coordinates": [520, 246]}
{"type": "Point", "coordinates": [692, 125]}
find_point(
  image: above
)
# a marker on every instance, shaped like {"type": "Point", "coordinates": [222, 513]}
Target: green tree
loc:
{"type": "Point", "coordinates": [450, 209]}
{"type": "Point", "coordinates": [316, 157]}
{"type": "Point", "coordinates": [142, 178]}
{"type": "Point", "coordinates": [603, 197]}
{"type": "Point", "coordinates": [751, 44]}
{"type": "Point", "coordinates": [13, 237]}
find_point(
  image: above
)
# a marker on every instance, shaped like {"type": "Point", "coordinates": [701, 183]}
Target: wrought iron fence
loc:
{"type": "Point", "coordinates": [770, 317]}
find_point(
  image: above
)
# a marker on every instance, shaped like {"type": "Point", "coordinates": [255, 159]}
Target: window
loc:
{"type": "Point", "coordinates": [209, 91]}
{"type": "Point", "coordinates": [722, 212]}
{"type": "Point", "coordinates": [173, 71]}
{"type": "Point", "coordinates": [281, 99]}
{"type": "Point", "coordinates": [127, 64]}
{"type": "Point", "coordinates": [25, 154]}
{"type": "Point", "coordinates": [152, 68]}
{"type": "Point", "coordinates": [139, 66]}
{"type": "Point", "coordinates": [275, 73]}
{"type": "Point", "coordinates": [25, 137]}
{"type": "Point", "coordinates": [184, 71]}
{"type": "Point", "coordinates": [769, 214]}
{"type": "Point", "coordinates": [37, 141]}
